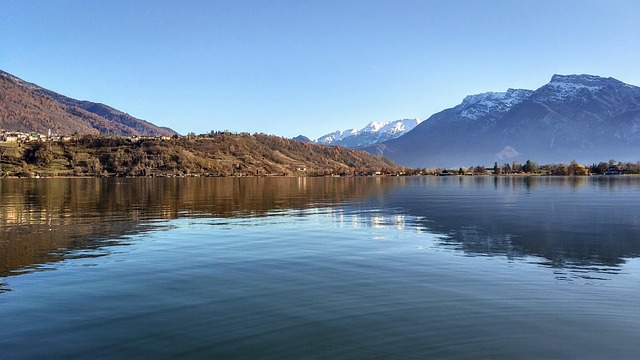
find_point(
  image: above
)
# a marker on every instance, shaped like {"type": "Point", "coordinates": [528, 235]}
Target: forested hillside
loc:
{"type": "Point", "coordinates": [30, 108]}
{"type": "Point", "coordinates": [219, 154]}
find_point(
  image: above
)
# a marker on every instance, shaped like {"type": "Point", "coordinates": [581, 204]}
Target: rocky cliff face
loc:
{"type": "Point", "coordinates": [582, 117]}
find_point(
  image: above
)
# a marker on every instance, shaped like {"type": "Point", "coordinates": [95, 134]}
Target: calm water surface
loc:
{"type": "Point", "coordinates": [423, 267]}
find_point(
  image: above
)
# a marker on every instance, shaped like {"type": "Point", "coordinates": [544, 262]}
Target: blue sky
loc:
{"type": "Point", "coordinates": [308, 67]}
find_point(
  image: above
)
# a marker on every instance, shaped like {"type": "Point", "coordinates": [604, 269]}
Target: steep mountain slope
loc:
{"type": "Point", "coordinates": [582, 117]}
{"type": "Point", "coordinates": [28, 107]}
{"type": "Point", "coordinates": [373, 133]}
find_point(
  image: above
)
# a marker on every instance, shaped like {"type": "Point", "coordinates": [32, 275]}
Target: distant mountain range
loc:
{"type": "Point", "coordinates": [373, 133]}
{"type": "Point", "coordinates": [574, 117]}
{"type": "Point", "coordinates": [28, 107]}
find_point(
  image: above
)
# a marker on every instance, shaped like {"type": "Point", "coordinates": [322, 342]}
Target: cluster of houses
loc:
{"type": "Point", "coordinates": [19, 136]}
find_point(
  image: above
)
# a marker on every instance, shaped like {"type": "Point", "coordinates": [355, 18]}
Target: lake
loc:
{"type": "Point", "coordinates": [381, 267]}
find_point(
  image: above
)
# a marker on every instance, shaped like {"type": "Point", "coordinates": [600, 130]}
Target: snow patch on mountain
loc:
{"type": "Point", "coordinates": [375, 132]}
{"type": "Point", "coordinates": [564, 87]}
{"type": "Point", "coordinates": [390, 127]}
{"type": "Point", "coordinates": [336, 136]}
{"type": "Point", "coordinates": [476, 106]}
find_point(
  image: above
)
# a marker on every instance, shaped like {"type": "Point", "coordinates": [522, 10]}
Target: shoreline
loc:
{"type": "Point", "coordinates": [40, 176]}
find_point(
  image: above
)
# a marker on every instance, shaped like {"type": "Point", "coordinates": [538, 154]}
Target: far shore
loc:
{"type": "Point", "coordinates": [46, 176]}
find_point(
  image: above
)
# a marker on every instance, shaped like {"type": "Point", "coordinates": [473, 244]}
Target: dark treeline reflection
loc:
{"type": "Point", "coordinates": [45, 220]}
{"type": "Point", "coordinates": [567, 221]}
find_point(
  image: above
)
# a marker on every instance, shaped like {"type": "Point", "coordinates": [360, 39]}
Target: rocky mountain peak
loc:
{"type": "Point", "coordinates": [479, 105]}
{"type": "Point", "coordinates": [573, 117]}
{"type": "Point", "coordinates": [567, 88]}
{"type": "Point", "coordinates": [584, 80]}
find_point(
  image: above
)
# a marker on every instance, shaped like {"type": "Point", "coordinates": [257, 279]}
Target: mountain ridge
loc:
{"type": "Point", "coordinates": [373, 133]}
{"type": "Point", "coordinates": [573, 117]}
{"type": "Point", "coordinates": [26, 106]}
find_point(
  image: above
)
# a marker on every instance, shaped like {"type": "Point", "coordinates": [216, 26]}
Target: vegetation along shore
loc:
{"type": "Point", "coordinates": [214, 154]}
{"type": "Point", "coordinates": [231, 154]}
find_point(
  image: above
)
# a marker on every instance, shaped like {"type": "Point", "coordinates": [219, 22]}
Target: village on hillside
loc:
{"type": "Point", "coordinates": [36, 147]}
{"type": "Point", "coordinates": [21, 136]}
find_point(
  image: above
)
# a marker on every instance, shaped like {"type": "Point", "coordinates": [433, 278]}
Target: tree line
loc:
{"type": "Point", "coordinates": [239, 154]}
{"type": "Point", "coordinates": [611, 167]}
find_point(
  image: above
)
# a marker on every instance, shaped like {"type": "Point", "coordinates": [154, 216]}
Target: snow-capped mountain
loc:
{"type": "Point", "coordinates": [573, 117]}
{"type": "Point", "coordinates": [373, 133]}
{"type": "Point", "coordinates": [477, 106]}
{"type": "Point", "coordinates": [574, 87]}
{"type": "Point", "coordinates": [336, 136]}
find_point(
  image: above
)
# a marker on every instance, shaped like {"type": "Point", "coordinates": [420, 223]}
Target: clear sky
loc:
{"type": "Point", "coordinates": [308, 67]}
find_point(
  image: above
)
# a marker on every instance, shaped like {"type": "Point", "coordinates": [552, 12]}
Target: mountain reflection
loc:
{"type": "Point", "coordinates": [46, 220]}
{"type": "Point", "coordinates": [569, 221]}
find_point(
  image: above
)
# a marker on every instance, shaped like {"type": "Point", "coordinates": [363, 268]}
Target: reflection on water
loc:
{"type": "Point", "coordinates": [568, 222]}
{"type": "Point", "coordinates": [425, 267]}
{"type": "Point", "coordinates": [43, 220]}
